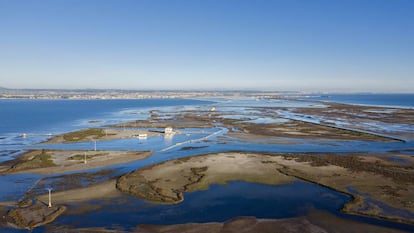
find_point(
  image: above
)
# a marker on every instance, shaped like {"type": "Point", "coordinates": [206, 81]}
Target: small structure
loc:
{"type": "Point", "coordinates": [142, 136]}
{"type": "Point", "coordinates": [168, 130]}
{"type": "Point", "coordinates": [50, 198]}
{"type": "Point", "coordinates": [84, 158]}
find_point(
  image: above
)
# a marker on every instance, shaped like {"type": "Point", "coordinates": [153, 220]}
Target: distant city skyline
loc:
{"type": "Point", "coordinates": [280, 45]}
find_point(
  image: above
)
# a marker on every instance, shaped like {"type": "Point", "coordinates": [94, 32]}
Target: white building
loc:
{"type": "Point", "coordinates": [168, 130]}
{"type": "Point", "coordinates": [142, 136]}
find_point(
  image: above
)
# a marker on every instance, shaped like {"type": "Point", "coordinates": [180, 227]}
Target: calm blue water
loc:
{"type": "Point", "coordinates": [395, 100]}
{"type": "Point", "coordinates": [51, 116]}
{"type": "Point", "coordinates": [217, 204]}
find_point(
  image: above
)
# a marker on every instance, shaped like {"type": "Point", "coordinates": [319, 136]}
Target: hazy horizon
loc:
{"type": "Point", "coordinates": [204, 90]}
{"type": "Point", "coordinates": [304, 46]}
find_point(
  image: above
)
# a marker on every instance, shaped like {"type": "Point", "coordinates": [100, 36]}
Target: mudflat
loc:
{"type": "Point", "coordinates": [35, 214]}
{"type": "Point", "coordinates": [98, 134]}
{"type": "Point", "coordinates": [167, 181]}
{"type": "Point", "coordinates": [58, 161]}
{"type": "Point", "coordinates": [316, 222]}
{"type": "Point", "coordinates": [376, 184]}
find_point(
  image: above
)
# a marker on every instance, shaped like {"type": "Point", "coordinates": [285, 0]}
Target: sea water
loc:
{"type": "Point", "coordinates": [390, 100]}
{"type": "Point", "coordinates": [217, 204]}
{"type": "Point", "coordinates": [55, 116]}
{"type": "Point", "coordinates": [58, 116]}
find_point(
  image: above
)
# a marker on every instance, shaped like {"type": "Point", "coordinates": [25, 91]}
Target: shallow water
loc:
{"type": "Point", "coordinates": [393, 100]}
{"type": "Point", "coordinates": [219, 203]}
{"type": "Point", "coordinates": [41, 117]}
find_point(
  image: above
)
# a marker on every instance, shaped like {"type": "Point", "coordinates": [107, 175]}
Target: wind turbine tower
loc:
{"type": "Point", "coordinates": [50, 197]}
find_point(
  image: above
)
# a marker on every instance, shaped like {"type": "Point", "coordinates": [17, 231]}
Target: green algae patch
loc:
{"type": "Point", "coordinates": [88, 156]}
{"type": "Point", "coordinates": [84, 134]}
{"type": "Point", "coordinates": [32, 160]}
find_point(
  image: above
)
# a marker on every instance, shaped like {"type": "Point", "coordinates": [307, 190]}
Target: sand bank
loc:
{"type": "Point", "coordinates": [97, 134]}
{"type": "Point", "coordinates": [58, 161]}
{"type": "Point", "coordinates": [102, 190]}
{"type": "Point", "coordinates": [167, 181]}
{"type": "Point", "coordinates": [375, 183]}
{"type": "Point", "coordinates": [316, 222]}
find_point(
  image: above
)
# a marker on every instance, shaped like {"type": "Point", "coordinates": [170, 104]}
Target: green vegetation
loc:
{"type": "Point", "coordinates": [88, 156]}
{"type": "Point", "coordinates": [83, 134]}
{"type": "Point", "coordinates": [38, 159]}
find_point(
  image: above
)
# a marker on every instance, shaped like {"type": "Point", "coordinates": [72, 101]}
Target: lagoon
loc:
{"type": "Point", "coordinates": [218, 203]}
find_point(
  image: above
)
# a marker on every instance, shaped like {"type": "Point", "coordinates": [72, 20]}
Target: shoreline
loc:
{"type": "Point", "coordinates": [98, 134]}
{"type": "Point", "coordinates": [363, 105]}
{"type": "Point", "coordinates": [155, 186]}
{"type": "Point", "coordinates": [282, 167]}
{"type": "Point", "coordinates": [59, 161]}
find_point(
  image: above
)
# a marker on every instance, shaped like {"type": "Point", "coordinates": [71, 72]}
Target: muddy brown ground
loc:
{"type": "Point", "coordinates": [318, 222]}
{"type": "Point", "coordinates": [361, 113]}
{"type": "Point", "coordinates": [246, 130]}
{"type": "Point", "coordinates": [35, 215]}
{"type": "Point", "coordinates": [167, 181]}
{"type": "Point", "coordinates": [364, 117]}
{"type": "Point", "coordinates": [315, 222]}
{"type": "Point", "coordinates": [105, 189]}
{"type": "Point", "coordinates": [374, 182]}
{"type": "Point", "coordinates": [59, 161]}
{"type": "Point", "coordinates": [98, 134]}
{"type": "Point", "coordinates": [299, 129]}
{"type": "Point", "coordinates": [186, 119]}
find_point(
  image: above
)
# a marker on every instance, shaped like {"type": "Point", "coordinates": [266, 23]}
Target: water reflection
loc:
{"type": "Point", "coordinates": [218, 203]}
{"type": "Point", "coordinates": [168, 138]}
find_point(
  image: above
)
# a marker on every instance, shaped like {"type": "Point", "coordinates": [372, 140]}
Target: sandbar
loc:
{"type": "Point", "coordinates": [98, 134]}
{"type": "Point", "coordinates": [59, 161]}
{"type": "Point", "coordinates": [375, 183]}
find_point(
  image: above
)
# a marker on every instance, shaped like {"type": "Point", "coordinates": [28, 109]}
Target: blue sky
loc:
{"type": "Point", "coordinates": [307, 45]}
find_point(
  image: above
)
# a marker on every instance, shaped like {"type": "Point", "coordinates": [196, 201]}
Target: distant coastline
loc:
{"type": "Point", "coordinates": [83, 94]}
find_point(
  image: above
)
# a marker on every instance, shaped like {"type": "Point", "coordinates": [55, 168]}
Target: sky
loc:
{"type": "Point", "coordinates": [277, 45]}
